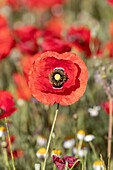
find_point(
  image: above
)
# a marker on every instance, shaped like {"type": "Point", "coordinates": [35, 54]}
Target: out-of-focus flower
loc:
{"type": "Point", "coordinates": [6, 43]}
{"type": "Point", "coordinates": [94, 111]}
{"type": "Point", "coordinates": [61, 162]}
{"type": "Point", "coordinates": [15, 4]}
{"type": "Point", "coordinates": [3, 131]}
{"type": "Point", "coordinates": [3, 22]}
{"type": "Point", "coordinates": [98, 165]}
{"type": "Point", "coordinates": [44, 4]}
{"type": "Point", "coordinates": [82, 152]}
{"type": "Point", "coordinates": [23, 91]}
{"type": "Point", "coordinates": [55, 44]}
{"type": "Point", "coordinates": [110, 2]}
{"type": "Point", "coordinates": [12, 139]}
{"type": "Point", "coordinates": [41, 153]}
{"type": "Point", "coordinates": [6, 39]}
{"type": "Point", "coordinates": [56, 152]}
{"type": "Point", "coordinates": [7, 106]}
{"type": "Point", "coordinates": [54, 27]}
{"type": "Point", "coordinates": [69, 142]}
{"type": "Point", "coordinates": [89, 138]}
{"type": "Point", "coordinates": [41, 140]}
{"type": "Point", "coordinates": [17, 153]}
{"type": "Point", "coordinates": [105, 106]}
{"type": "Point", "coordinates": [81, 134]}
{"type": "Point", "coordinates": [109, 49]}
{"type": "Point", "coordinates": [79, 37]}
{"type": "Point", "coordinates": [26, 39]}
{"type": "Point", "coordinates": [111, 28]}
{"type": "Point", "coordinates": [58, 78]}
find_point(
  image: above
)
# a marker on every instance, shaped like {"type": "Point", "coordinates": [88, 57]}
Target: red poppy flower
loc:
{"type": "Point", "coordinates": [110, 2]}
{"type": "Point", "coordinates": [55, 44]}
{"type": "Point", "coordinates": [7, 107]}
{"type": "Point", "coordinates": [3, 22]}
{"type": "Point", "coordinates": [43, 4]}
{"type": "Point", "coordinates": [26, 39]}
{"type": "Point", "coordinates": [12, 139]}
{"type": "Point", "coordinates": [16, 4]}
{"type": "Point", "coordinates": [54, 27]}
{"type": "Point", "coordinates": [111, 28]}
{"type": "Point", "coordinates": [79, 37]}
{"type": "Point", "coordinates": [58, 78]}
{"type": "Point", "coordinates": [17, 153]}
{"type": "Point", "coordinates": [109, 49]}
{"type": "Point", "coordinates": [6, 42]}
{"type": "Point", "coordinates": [23, 91]}
{"type": "Point", "coordinates": [105, 106]}
{"type": "Point", "coordinates": [61, 162]}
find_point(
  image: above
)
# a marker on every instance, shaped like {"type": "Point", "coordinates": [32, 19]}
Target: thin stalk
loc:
{"type": "Point", "coordinates": [54, 167]}
{"type": "Point", "coordinates": [10, 146]}
{"type": "Point", "coordinates": [50, 136]}
{"type": "Point", "coordinates": [6, 158]}
{"type": "Point", "coordinates": [93, 149]}
{"type": "Point", "coordinates": [109, 132]}
{"type": "Point", "coordinates": [79, 147]}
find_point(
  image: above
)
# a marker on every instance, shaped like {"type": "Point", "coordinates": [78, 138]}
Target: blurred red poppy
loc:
{"type": "Point", "coordinates": [55, 44]}
{"type": "Point", "coordinates": [12, 139]}
{"type": "Point", "coordinates": [58, 78]}
{"type": "Point", "coordinates": [16, 4]}
{"type": "Point", "coordinates": [61, 162]}
{"type": "Point", "coordinates": [22, 88]}
{"type": "Point", "coordinates": [7, 106]}
{"type": "Point", "coordinates": [109, 49]}
{"type": "Point", "coordinates": [26, 39]}
{"type": "Point", "coordinates": [110, 2]}
{"type": "Point", "coordinates": [105, 106]}
{"type": "Point", "coordinates": [6, 43]}
{"type": "Point", "coordinates": [17, 153]}
{"type": "Point", "coordinates": [54, 27]}
{"type": "Point", "coordinates": [111, 28]}
{"type": "Point", "coordinates": [43, 4]}
{"type": "Point", "coordinates": [3, 22]}
{"type": "Point", "coordinates": [79, 37]}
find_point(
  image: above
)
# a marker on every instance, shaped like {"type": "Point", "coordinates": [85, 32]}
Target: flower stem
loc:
{"type": "Point", "coordinates": [50, 136]}
{"type": "Point", "coordinates": [10, 146]}
{"type": "Point", "coordinates": [6, 158]}
{"type": "Point", "coordinates": [79, 147]}
{"type": "Point", "coordinates": [93, 149]}
{"type": "Point", "coordinates": [109, 132]}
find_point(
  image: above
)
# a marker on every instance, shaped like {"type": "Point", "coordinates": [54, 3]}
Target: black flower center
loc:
{"type": "Point", "coordinates": [2, 111]}
{"type": "Point", "coordinates": [58, 77]}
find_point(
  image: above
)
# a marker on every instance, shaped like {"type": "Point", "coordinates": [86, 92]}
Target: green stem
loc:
{"type": "Point", "coordinates": [109, 132]}
{"type": "Point", "coordinates": [54, 167]}
{"type": "Point", "coordinates": [93, 149]}
{"type": "Point", "coordinates": [50, 136]}
{"type": "Point", "coordinates": [10, 146]}
{"type": "Point", "coordinates": [6, 158]}
{"type": "Point", "coordinates": [79, 147]}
